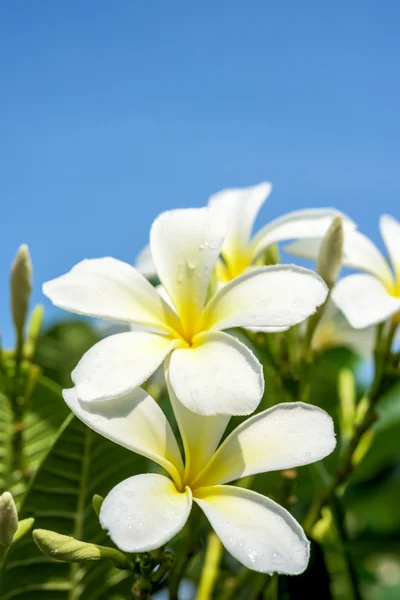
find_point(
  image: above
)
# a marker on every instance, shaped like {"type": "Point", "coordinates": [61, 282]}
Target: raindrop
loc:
{"type": "Point", "coordinates": [277, 558]}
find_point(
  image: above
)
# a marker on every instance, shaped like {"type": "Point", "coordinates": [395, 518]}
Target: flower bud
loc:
{"type": "Point", "coordinates": [64, 547]}
{"type": "Point", "coordinates": [347, 399]}
{"type": "Point", "coordinates": [270, 256]}
{"type": "Point", "coordinates": [23, 527]}
{"type": "Point", "coordinates": [8, 522]}
{"type": "Point", "coordinates": [331, 253]}
{"type": "Point", "coordinates": [21, 286]}
{"type": "Point", "coordinates": [97, 501]}
{"type": "Point", "coordinates": [34, 327]}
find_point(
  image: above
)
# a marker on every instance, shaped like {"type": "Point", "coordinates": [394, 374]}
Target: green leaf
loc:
{"type": "Point", "coordinates": [80, 464]}
{"type": "Point", "coordinates": [329, 536]}
{"type": "Point", "coordinates": [325, 376]}
{"type": "Point", "coordinates": [375, 504]}
{"type": "Point", "coordinates": [384, 449]}
{"type": "Point", "coordinates": [44, 413]}
{"type": "Point", "coordinates": [6, 433]}
{"type": "Point", "coordinates": [62, 346]}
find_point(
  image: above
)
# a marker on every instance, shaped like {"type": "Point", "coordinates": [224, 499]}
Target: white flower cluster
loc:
{"type": "Point", "coordinates": [212, 280]}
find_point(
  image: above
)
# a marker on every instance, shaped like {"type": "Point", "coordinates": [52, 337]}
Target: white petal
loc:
{"type": "Point", "coordinates": [259, 533]}
{"type": "Point", "coordinates": [144, 263]}
{"type": "Point", "coordinates": [185, 245]}
{"type": "Point", "coordinates": [306, 248]}
{"type": "Point", "coordinates": [118, 364]}
{"type": "Point", "coordinates": [390, 231]}
{"type": "Point", "coordinates": [163, 293]}
{"type": "Point", "coordinates": [109, 289]}
{"type": "Point", "coordinates": [282, 437]}
{"type": "Point", "coordinates": [241, 206]}
{"type": "Point", "coordinates": [144, 512]}
{"type": "Point", "coordinates": [134, 421]}
{"type": "Point", "coordinates": [219, 375]}
{"type": "Point", "coordinates": [309, 223]}
{"type": "Point", "coordinates": [279, 296]}
{"type": "Point", "coordinates": [269, 329]}
{"type": "Point", "coordinates": [361, 341]}
{"type": "Point", "coordinates": [200, 435]}
{"type": "Point", "coordinates": [358, 253]}
{"type": "Point", "coordinates": [364, 300]}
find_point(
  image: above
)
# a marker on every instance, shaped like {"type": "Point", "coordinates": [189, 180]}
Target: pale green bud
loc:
{"type": "Point", "coordinates": [64, 547]}
{"type": "Point", "coordinates": [34, 328]}
{"type": "Point", "coordinates": [331, 253]}
{"type": "Point", "coordinates": [363, 447]}
{"type": "Point", "coordinates": [23, 527]}
{"type": "Point", "coordinates": [21, 286]}
{"type": "Point", "coordinates": [97, 501]}
{"type": "Point", "coordinates": [8, 522]}
{"type": "Point", "coordinates": [361, 410]}
{"type": "Point", "coordinates": [324, 530]}
{"type": "Point", "coordinates": [347, 399]}
{"type": "Point", "coordinates": [270, 256]}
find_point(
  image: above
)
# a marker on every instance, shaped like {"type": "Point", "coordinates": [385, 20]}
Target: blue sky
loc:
{"type": "Point", "coordinates": [112, 112]}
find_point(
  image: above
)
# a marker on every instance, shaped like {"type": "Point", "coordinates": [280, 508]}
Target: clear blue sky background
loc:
{"type": "Point", "coordinates": [114, 111]}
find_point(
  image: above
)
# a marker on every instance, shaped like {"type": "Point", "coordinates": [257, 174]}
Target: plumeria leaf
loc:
{"type": "Point", "coordinates": [43, 415]}
{"type": "Point", "coordinates": [79, 464]}
{"type": "Point", "coordinates": [327, 533]}
{"type": "Point", "coordinates": [384, 450]}
{"type": "Point", "coordinates": [61, 347]}
{"type": "Point", "coordinates": [6, 433]}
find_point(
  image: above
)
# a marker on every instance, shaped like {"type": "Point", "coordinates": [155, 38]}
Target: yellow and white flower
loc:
{"type": "Point", "coordinates": [242, 205]}
{"type": "Point", "coordinates": [334, 330]}
{"type": "Point", "coordinates": [185, 245]}
{"type": "Point", "coordinates": [371, 297]}
{"type": "Point", "coordinates": [240, 252]}
{"type": "Point", "coordinates": [145, 511]}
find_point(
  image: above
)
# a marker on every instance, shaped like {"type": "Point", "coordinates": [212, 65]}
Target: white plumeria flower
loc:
{"type": "Point", "coordinates": [242, 206]}
{"type": "Point", "coordinates": [185, 245]}
{"type": "Point", "coordinates": [333, 330]}
{"type": "Point", "coordinates": [239, 251]}
{"type": "Point", "coordinates": [372, 297]}
{"type": "Point", "coordinates": [145, 511]}
{"type": "Point", "coordinates": [144, 263]}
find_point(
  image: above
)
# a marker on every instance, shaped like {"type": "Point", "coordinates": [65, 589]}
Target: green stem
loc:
{"type": "Point", "coordinates": [345, 466]}
{"type": "Point", "coordinates": [186, 554]}
{"type": "Point", "coordinates": [177, 574]}
{"type": "Point", "coordinates": [167, 560]}
{"type": "Point", "coordinates": [283, 371]}
{"type": "Point", "coordinates": [272, 590]}
{"type": "Point", "coordinates": [233, 587]}
{"type": "Point", "coordinates": [19, 350]}
{"type": "Point", "coordinates": [339, 522]}
{"type": "Point", "coordinates": [209, 573]}
{"type": "Point", "coordinates": [143, 586]}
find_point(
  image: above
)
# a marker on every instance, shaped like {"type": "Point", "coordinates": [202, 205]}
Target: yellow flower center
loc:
{"type": "Point", "coordinates": [233, 266]}
{"type": "Point", "coordinates": [393, 287]}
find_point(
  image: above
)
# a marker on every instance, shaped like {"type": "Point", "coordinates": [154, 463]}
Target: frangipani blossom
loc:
{"type": "Point", "coordinates": [241, 252]}
{"type": "Point", "coordinates": [185, 246]}
{"type": "Point", "coordinates": [242, 205]}
{"type": "Point", "coordinates": [333, 330]}
{"type": "Point", "coordinates": [145, 511]}
{"type": "Point", "coordinates": [371, 297]}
